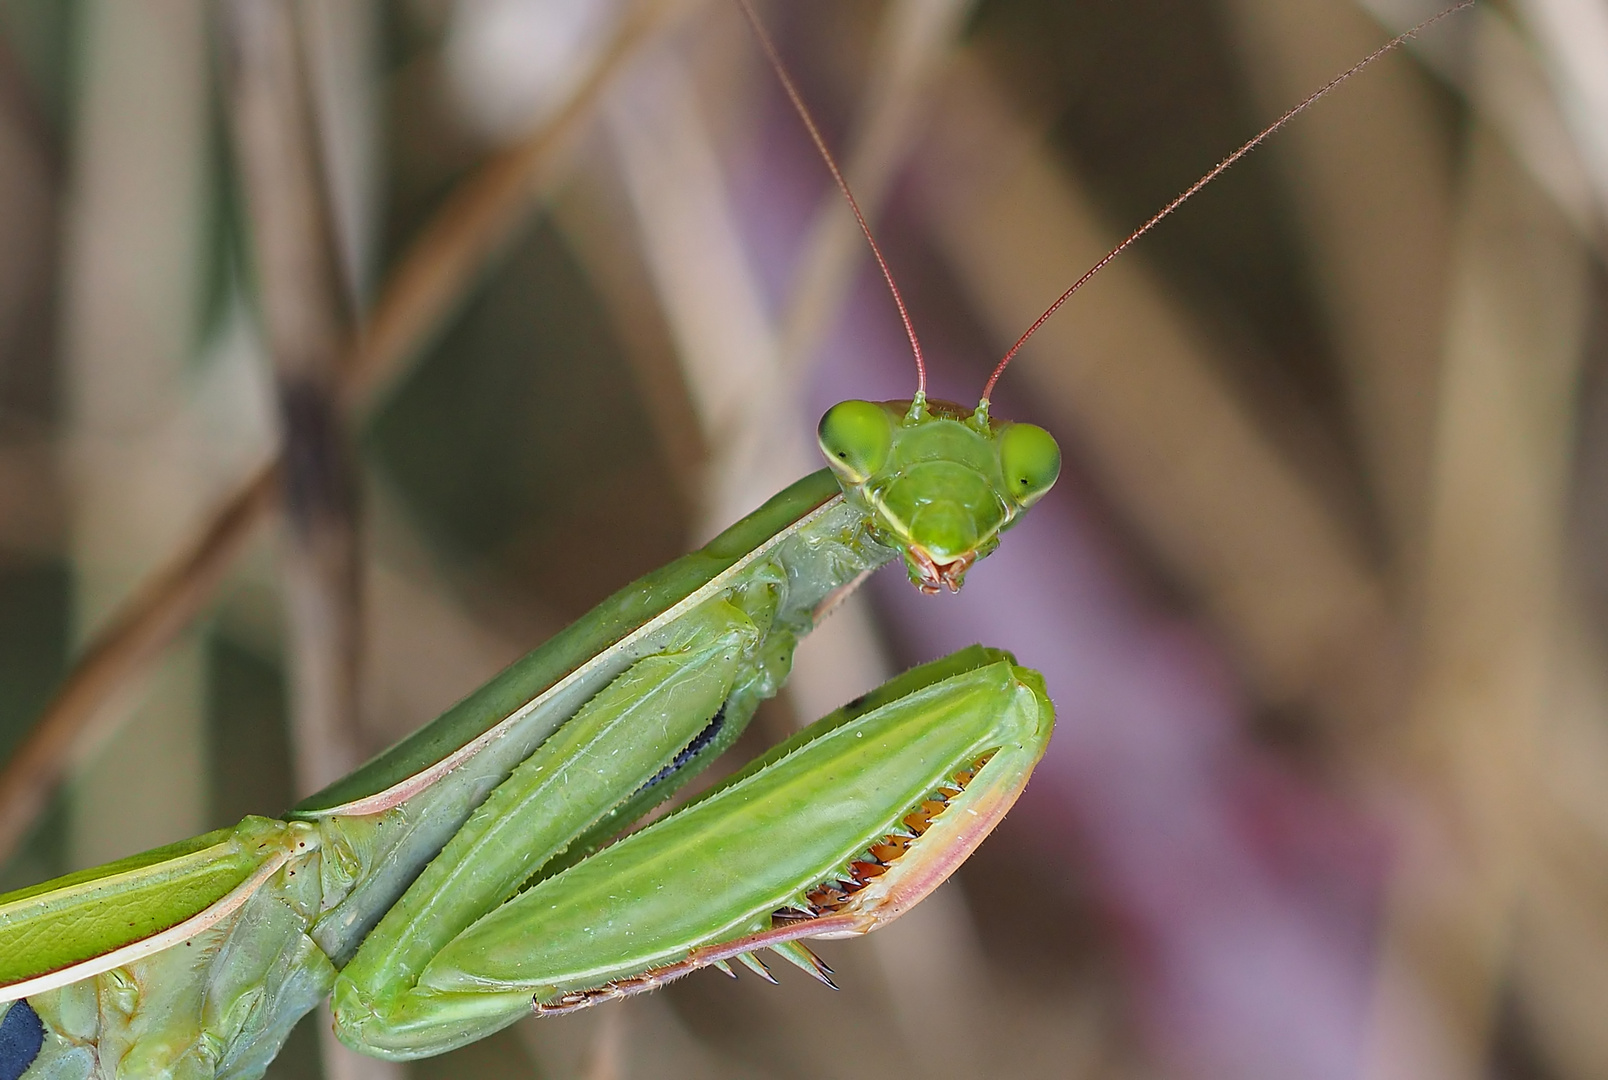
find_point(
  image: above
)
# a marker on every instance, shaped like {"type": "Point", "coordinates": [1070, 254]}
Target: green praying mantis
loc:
{"type": "Point", "coordinates": [476, 872]}
{"type": "Point", "coordinates": [194, 960]}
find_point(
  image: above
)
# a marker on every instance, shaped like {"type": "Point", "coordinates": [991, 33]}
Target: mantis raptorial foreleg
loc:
{"type": "Point", "coordinates": [833, 833]}
{"type": "Point", "coordinates": [828, 836]}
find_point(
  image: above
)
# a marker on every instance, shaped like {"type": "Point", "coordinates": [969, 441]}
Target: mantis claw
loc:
{"type": "Point", "coordinates": [757, 966]}
{"type": "Point", "coordinates": [800, 956]}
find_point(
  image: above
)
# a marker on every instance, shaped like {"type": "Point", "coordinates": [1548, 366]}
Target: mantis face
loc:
{"type": "Point", "coordinates": [940, 482]}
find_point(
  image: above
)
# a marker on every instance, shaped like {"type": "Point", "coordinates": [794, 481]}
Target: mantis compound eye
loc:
{"type": "Point", "coordinates": [856, 437]}
{"type": "Point", "coordinates": [1030, 460]}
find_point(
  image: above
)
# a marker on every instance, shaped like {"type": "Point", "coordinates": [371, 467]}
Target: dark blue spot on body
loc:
{"type": "Point", "coordinates": [22, 1035]}
{"type": "Point", "coordinates": [688, 752]}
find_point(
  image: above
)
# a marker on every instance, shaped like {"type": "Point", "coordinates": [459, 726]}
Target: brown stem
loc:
{"type": "Point", "coordinates": [135, 637]}
{"type": "Point", "coordinates": [293, 237]}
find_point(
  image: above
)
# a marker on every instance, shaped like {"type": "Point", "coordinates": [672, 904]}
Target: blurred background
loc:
{"type": "Point", "coordinates": [348, 349]}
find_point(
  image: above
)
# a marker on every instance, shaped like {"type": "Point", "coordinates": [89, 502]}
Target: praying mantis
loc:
{"type": "Point", "coordinates": [471, 875]}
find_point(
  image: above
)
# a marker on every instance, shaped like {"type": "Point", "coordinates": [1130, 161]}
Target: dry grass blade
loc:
{"type": "Point", "coordinates": [419, 295]}
{"type": "Point", "coordinates": [1507, 85]}
{"type": "Point", "coordinates": [1492, 612]}
{"type": "Point", "coordinates": [1573, 37]}
{"type": "Point", "coordinates": [275, 141]}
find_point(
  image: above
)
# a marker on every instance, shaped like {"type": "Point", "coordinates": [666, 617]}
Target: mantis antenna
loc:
{"type": "Point", "coordinates": [1217, 170]}
{"type": "Point", "coordinates": [803, 111]}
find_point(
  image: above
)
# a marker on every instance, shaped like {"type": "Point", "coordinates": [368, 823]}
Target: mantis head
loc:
{"type": "Point", "coordinates": [940, 482]}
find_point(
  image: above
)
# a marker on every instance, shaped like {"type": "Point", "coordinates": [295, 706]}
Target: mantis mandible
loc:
{"type": "Point", "coordinates": [471, 874]}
